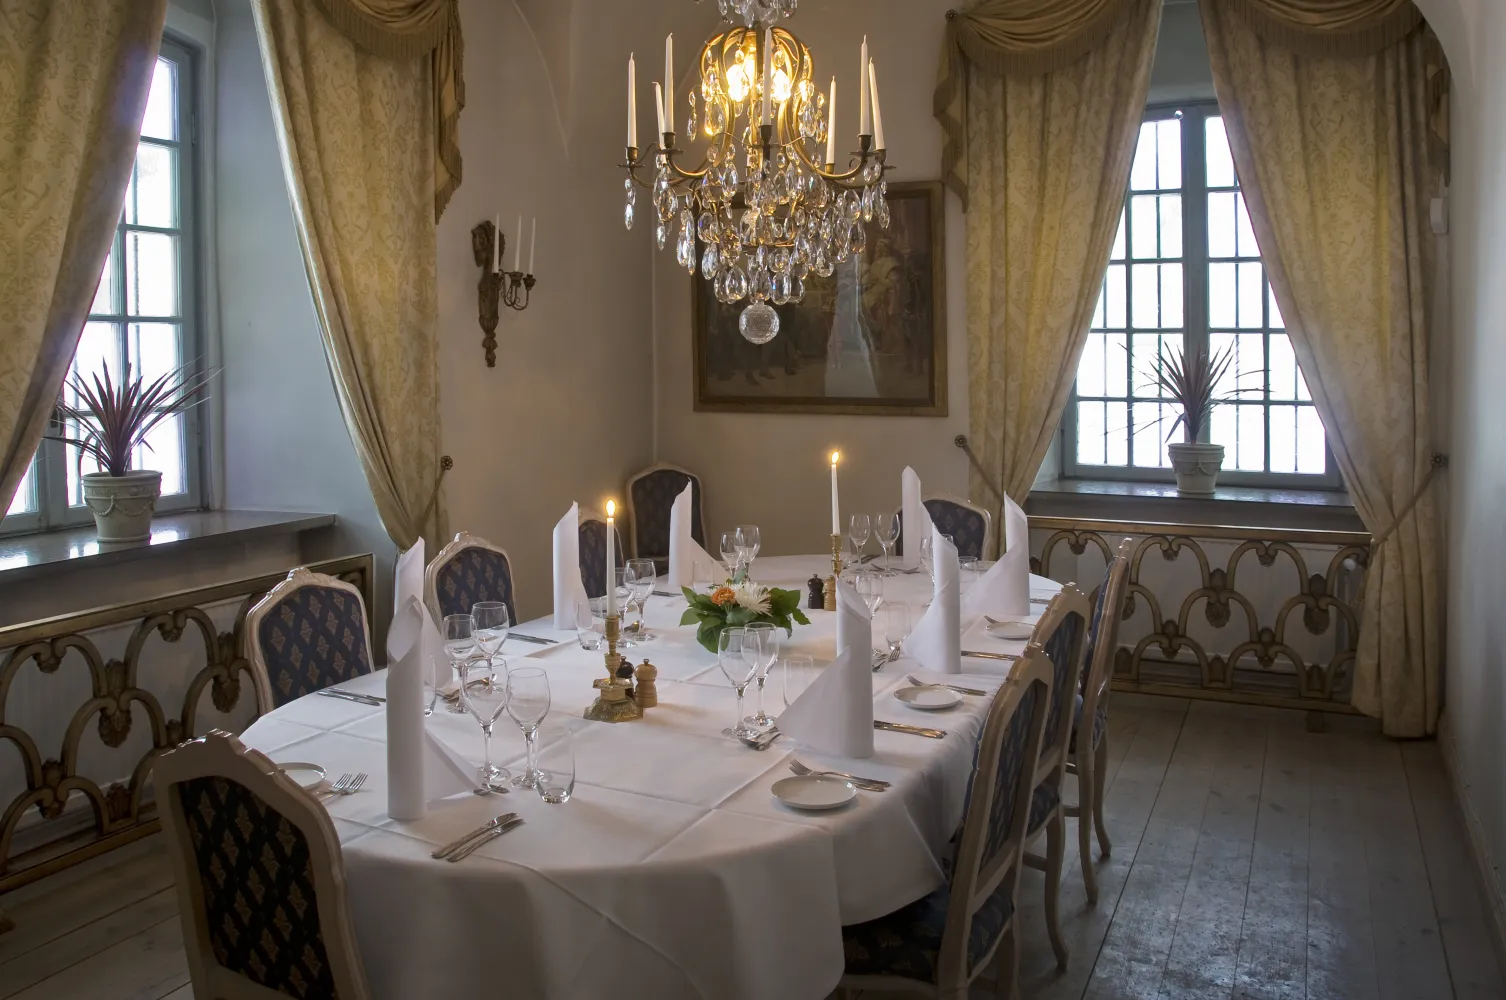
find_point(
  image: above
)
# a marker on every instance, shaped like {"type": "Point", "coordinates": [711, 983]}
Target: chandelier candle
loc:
{"type": "Point", "coordinates": [865, 117]}
{"type": "Point", "coordinates": [632, 137]}
{"type": "Point", "coordinates": [831, 127]}
{"type": "Point", "coordinates": [669, 84]}
{"type": "Point", "coordinates": [878, 116]}
{"type": "Point", "coordinates": [659, 105]}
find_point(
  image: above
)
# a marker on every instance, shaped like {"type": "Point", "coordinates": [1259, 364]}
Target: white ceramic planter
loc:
{"type": "Point", "coordinates": [1196, 466]}
{"type": "Point", "coordinates": [122, 505]}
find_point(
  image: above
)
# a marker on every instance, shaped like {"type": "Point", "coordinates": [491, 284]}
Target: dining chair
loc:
{"type": "Point", "coordinates": [465, 572]}
{"type": "Point", "coordinates": [650, 495]}
{"type": "Point", "coordinates": [593, 553]}
{"type": "Point", "coordinates": [1061, 632]}
{"type": "Point", "coordinates": [260, 880]}
{"type": "Point", "coordinates": [938, 945]}
{"type": "Point", "coordinates": [309, 632]}
{"type": "Point", "coordinates": [970, 526]}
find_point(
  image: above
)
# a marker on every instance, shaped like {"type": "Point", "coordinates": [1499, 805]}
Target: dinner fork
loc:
{"type": "Point", "coordinates": [354, 786]}
{"type": "Point", "coordinates": [951, 687]}
{"type": "Point", "coordinates": [871, 784]}
{"type": "Point", "coordinates": [338, 788]}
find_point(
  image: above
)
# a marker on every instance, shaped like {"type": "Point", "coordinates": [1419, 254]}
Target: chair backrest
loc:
{"type": "Point", "coordinates": [593, 553]}
{"type": "Point", "coordinates": [309, 632]}
{"type": "Point", "coordinates": [650, 495]}
{"type": "Point", "coordinates": [970, 526]}
{"type": "Point", "coordinates": [260, 879]}
{"type": "Point", "coordinates": [1103, 643]}
{"type": "Point", "coordinates": [990, 848]}
{"type": "Point", "coordinates": [465, 572]}
{"type": "Point", "coordinates": [1062, 633]}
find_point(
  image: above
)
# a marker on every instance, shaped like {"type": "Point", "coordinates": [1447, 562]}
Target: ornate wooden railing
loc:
{"type": "Point", "coordinates": [1245, 618]}
{"type": "Point", "coordinates": [78, 680]}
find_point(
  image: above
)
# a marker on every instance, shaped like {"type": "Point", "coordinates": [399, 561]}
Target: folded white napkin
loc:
{"type": "Point", "coordinates": [936, 640]}
{"type": "Point", "coordinates": [446, 773]}
{"type": "Point", "coordinates": [1005, 588]}
{"type": "Point", "coordinates": [569, 591]}
{"type": "Point", "coordinates": [915, 519]}
{"type": "Point", "coordinates": [685, 553]}
{"type": "Point", "coordinates": [414, 648]}
{"type": "Point", "coordinates": [835, 714]}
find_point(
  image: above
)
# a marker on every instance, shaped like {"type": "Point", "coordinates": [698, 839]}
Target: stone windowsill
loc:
{"type": "Point", "coordinates": [1235, 506]}
{"type": "Point", "coordinates": [24, 557]}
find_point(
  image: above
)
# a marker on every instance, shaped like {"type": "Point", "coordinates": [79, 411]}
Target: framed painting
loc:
{"type": "Point", "coordinates": [869, 339]}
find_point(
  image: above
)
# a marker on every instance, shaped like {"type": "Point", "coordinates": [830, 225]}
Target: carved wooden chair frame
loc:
{"type": "Point", "coordinates": [697, 497]}
{"type": "Point", "coordinates": [298, 578]}
{"type": "Point", "coordinates": [463, 540]}
{"type": "Point", "coordinates": [219, 754]}
{"type": "Point", "coordinates": [988, 518]}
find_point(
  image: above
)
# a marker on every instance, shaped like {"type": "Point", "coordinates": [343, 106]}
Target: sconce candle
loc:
{"type": "Point", "coordinates": [533, 238]}
{"type": "Point", "coordinates": [632, 104]}
{"type": "Point", "coordinates": [669, 84]}
{"type": "Point", "coordinates": [517, 250]}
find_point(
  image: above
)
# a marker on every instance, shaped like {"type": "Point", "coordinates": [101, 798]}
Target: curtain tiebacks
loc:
{"type": "Point", "coordinates": [1438, 461]}
{"type": "Point", "coordinates": [446, 463]}
{"type": "Point", "coordinates": [961, 441]}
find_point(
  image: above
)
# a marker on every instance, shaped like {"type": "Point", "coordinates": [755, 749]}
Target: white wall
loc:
{"type": "Point", "coordinates": [1474, 34]}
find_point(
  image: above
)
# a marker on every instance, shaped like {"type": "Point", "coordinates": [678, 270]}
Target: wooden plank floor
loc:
{"type": "Point", "coordinates": [1252, 860]}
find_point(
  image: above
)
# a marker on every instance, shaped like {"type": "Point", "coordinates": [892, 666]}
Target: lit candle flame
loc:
{"type": "Point", "coordinates": [835, 456]}
{"type": "Point", "coordinates": [611, 509]}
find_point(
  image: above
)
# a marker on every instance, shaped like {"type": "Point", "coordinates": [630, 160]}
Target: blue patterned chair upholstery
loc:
{"type": "Point", "coordinates": [912, 945]}
{"type": "Point", "coordinates": [969, 526]}
{"type": "Point", "coordinates": [650, 495]}
{"type": "Point", "coordinates": [466, 572]}
{"type": "Point", "coordinates": [593, 555]}
{"type": "Point", "coordinates": [308, 633]}
{"type": "Point", "coordinates": [257, 865]}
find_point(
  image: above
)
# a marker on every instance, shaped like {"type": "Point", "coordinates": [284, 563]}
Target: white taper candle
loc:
{"type": "Point", "coordinates": [669, 83]}
{"type": "Point", "coordinates": [611, 558]}
{"type": "Point", "coordinates": [831, 123]}
{"type": "Point", "coordinates": [632, 137]}
{"type": "Point", "coordinates": [517, 250]}
{"type": "Point", "coordinates": [878, 116]}
{"type": "Point", "coordinates": [533, 239]}
{"type": "Point", "coordinates": [768, 75]}
{"type": "Point", "coordinates": [496, 244]}
{"type": "Point", "coordinates": [865, 124]}
{"type": "Point", "coordinates": [836, 509]}
{"type": "Point", "coordinates": [659, 105]}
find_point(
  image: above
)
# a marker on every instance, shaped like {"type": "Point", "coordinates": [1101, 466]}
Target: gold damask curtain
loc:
{"type": "Point", "coordinates": [357, 136]}
{"type": "Point", "coordinates": [408, 29]}
{"type": "Point", "coordinates": [1045, 147]}
{"type": "Point", "coordinates": [1335, 153]}
{"type": "Point", "coordinates": [74, 78]}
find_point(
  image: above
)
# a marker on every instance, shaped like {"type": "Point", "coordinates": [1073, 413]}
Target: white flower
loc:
{"type": "Point", "coordinates": [753, 597]}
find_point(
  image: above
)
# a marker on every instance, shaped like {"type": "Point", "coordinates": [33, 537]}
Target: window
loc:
{"type": "Point", "coordinates": [1184, 272]}
{"type": "Point", "coordinates": [144, 311]}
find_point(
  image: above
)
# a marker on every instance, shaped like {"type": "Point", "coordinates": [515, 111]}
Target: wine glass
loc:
{"type": "Point", "coordinates": [927, 557]}
{"type": "Point", "coordinates": [739, 669]}
{"type": "Point", "coordinates": [886, 529]}
{"type": "Point", "coordinates": [528, 703]}
{"type": "Point", "coordinates": [459, 646]}
{"type": "Point", "coordinates": [491, 624]}
{"type": "Point", "coordinates": [624, 595]}
{"type": "Point", "coordinates": [483, 691]}
{"type": "Point", "coordinates": [768, 652]}
{"type": "Point", "coordinates": [731, 553]}
{"type": "Point", "coordinates": [640, 577]}
{"type": "Point", "coordinates": [859, 528]}
{"type": "Point", "coordinates": [896, 624]}
{"type": "Point", "coordinates": [747, 544]}
{"type": "Point", "coordinates": [870, 587]}
{"type": "Point", "coordinates": [799, 671]}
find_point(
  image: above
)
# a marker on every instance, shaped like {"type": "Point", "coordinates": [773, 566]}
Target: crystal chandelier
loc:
{"type": "Point", "coordinates": [767, 203]}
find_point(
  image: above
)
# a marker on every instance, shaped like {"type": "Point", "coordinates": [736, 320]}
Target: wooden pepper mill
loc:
{"type": "Point", "coordinates": [647, 692]}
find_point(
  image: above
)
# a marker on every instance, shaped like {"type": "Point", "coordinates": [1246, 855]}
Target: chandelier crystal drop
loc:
{"type": "Point", "coordinates": [767, 206]}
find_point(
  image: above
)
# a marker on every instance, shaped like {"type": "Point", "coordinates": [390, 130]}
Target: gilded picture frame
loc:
{"type": "Point", "coordinates": [869, 340]}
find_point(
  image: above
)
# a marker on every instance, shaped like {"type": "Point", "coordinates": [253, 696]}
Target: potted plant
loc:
{"type": "Point", "coordinates": [112, 419]}
{"type": "Point", "coordinates": [1190, 380]}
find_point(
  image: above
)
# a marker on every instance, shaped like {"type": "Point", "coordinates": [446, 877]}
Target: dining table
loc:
{"type": "Point", "coordinates": [672, 871]}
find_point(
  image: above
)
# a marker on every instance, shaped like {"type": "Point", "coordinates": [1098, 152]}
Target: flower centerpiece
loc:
{"type": "Point", "coordinates": [735, 604]}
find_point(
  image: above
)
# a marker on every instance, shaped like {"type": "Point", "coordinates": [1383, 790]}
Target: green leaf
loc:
{"type": "Point", "coordinates": [799, 616]}
{"type": "Point", "coordinates": [690, 617]}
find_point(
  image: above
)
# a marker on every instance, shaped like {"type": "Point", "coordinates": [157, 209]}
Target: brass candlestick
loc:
{"type": "Point", "coordinates": [829, 602]}
{"type": "Point", "coordinates": [613, 703]}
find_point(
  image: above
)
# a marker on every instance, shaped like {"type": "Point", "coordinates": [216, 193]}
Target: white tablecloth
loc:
{"type": "Point", "coordinates": [673, 871]}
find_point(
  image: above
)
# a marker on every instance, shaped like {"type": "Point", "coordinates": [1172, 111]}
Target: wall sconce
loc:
{"type": "Point", "coordinates": [496, 287]}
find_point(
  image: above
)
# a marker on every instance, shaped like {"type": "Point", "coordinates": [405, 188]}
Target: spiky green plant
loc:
{"type": "Point", "coordinates": [115, 418]}
{"type": "Point", "coordinates": [1189, 379]}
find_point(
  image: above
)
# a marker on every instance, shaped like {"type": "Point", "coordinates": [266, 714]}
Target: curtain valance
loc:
{"type": "Point", "coordinates": [1014, 37]}
{"type": "Point", "coordinates": [407, 29]}
{"type": "Point", "coordinates": [1329, 27]}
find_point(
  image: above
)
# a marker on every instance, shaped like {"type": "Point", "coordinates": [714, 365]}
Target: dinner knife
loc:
{"type": "Point", "coordinates": [363, 699]}
{"type": "Point", "coordinates": [900, 727]}
{"type": "Point", "coordinates": [530, 638]}
{"type": "Point", "coordinates": [484, 839]}
{"type": "Point", "coordinates": [484, 828]}
{"type": "Point", "coordinates": [990, 656]}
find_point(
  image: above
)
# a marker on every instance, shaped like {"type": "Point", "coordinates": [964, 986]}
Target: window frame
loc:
{"type": "Point", "coordinates": [1195, 317]}
{"type": "Point", "coordinates": [51, 464]}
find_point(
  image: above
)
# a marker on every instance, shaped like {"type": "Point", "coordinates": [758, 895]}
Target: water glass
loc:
{"type": "Point", "coordinates": [459, 633]}
{"type": "Point", "coordinates": [640, 578]}
{"type": "Point", "coordinates": [798, 673]}
{"type": "Point", "coordinates": [491, 626]}
{"type": "Point", "coordinates": [528, 703]}
{"type": "Point", "coordinates": [484, 693]}
{"type": "Point", "coordinates": [747, 544]}
{"type": "Point", "coordinates": [886, 530]}
{"type": "Point", "coordinates": [859, 528]}
{"type": "Point", "coordinates": [870, 587]}
{"type": "Point", "coordinates": [768, 652]}
{"type": "Point", "coordinates": [738, 669]}
{"type": "Point", "coordinates": [895, 621]}
{"type": "Point", "coordinates": [556, 764]}
{"type": "Point", "coordinates": [967, 567]}
{"type": "Point", "coordinates": [434, 674]}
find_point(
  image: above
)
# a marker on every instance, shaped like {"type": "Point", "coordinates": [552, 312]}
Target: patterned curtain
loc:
{"type": "Point", "coordinates": [1337, 156]}
{"type": "Point", "coordinates": [1046, 159]}
{"type": "Point", "coordinates": [357, 136]}
{"type": "Point", "coordinates": [73, 84]}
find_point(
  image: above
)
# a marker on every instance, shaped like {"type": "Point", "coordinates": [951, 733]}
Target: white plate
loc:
{"type": "Point", "coordinates": [307, 775]}
{"type": "Point", "coordinates": [929, 699]}
{"type": "Point", "coordinates": [814, 791]}
{"type": "Point", "coordinates": [1011, 628]}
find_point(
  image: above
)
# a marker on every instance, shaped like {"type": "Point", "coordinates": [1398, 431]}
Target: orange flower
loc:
{"type": "Point", "coordinates": [723, 596]}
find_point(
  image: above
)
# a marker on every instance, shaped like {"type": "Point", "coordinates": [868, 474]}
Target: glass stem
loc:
{"type": "Point", "coordinates": [486, 751]}
{"type": "Point", "coordinates": [738, 722]}
{"type": "Point", "coordinates": [761, 679]}
{"type": "Point", "coordinates": [528, 738]}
